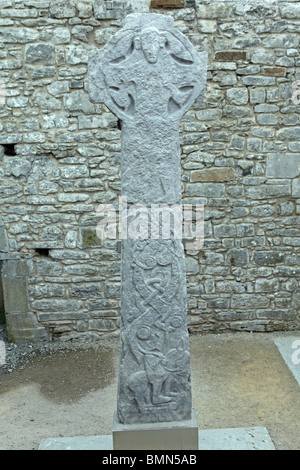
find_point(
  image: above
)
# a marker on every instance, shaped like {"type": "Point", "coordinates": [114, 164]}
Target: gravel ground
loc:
{"type": "Point", "coordinates": [18, 355]}
{"type": "Point", "coordinates": [70, 388]}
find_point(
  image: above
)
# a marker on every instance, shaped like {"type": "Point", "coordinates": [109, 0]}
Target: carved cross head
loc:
{"type": "Point", "coordinates": [147, 70]}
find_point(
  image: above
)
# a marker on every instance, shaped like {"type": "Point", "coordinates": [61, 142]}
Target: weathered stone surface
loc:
{"type": "Point", "coordinates": [283, 166]}
{"type": "Point", "coordinates": [267, 119]}
{"type": "Point", "coordinates": [290, 11]}
{"type": "Point", "coordinates": [237, 257]}
{"type": "Point", "coordinates": [76, 55]}
{"type": "Point", "coordinates": [224, 230]}
{"type": "Point", "coordinates": [41, 52]}
{"type": "Point", "coordinates": [14, 279]}
{"type": "Point", "coordinates": [85, 10]}
{"type": "Point", "coordinates": [268, 191]}
{"type": "Point", "coordinates": [258, 80]}
{"type": "Point", "coordinates": [205, 189]}
{"type": "Point", "coordinates": [237, 95]}
{"type": "Point", "coordinates": [254, 11]}
{"type": "Point", "coordinates": [246, 301]}
{"type": "Point", "coordinates": [160, 177]}
{"type": "Point", "coordinates": [17, 102]}
{"type": "Point", "coordinates": [282, 40]}
{"type": "Point", "coordinates": [266, 285]}
{"type": "Point", "coordinates": [18, 35]}
{"type": "Point", "coordinates": [23, 327]}
{"type": "Point", "coordinates": [78, 102]}
{"type": "Point", "coordinates": [289, 133]}
{"type": "Point", "coordinates": [43, 72]}
{"type": "Point", "coordinates": [263, 56]}
{"type": "Point", "coordinates": [17, 166]}
{"type": "Point", "coordinates": [45, 101]}
{"type": "Point", "coordinates": [3, 238]}
{"type": "Point", "coordinates": [149, 75]}
{"type": "Point", "coordinates": [257, 95]}
{"type": "Point", "coordinates": [62, 9]}
{"type": "Point", "coordinates": [229, 56]}
{"type": "Point", "coordinates": [10, 64]}
{"type": "Point", "coordinates": [104, 11]}
{"type": "Point", "coordinates": [278, 71]}
{"type": "Point", "coordinates": [296, 188]}
{"type": "Point", "coordinates": [214, 174]}
{"type": "Point", "coordinates": [266, 258]}
{"type": "Point", "coordinates": [55, 142]}
{"type": "Point", "coordinates": [266, 108]}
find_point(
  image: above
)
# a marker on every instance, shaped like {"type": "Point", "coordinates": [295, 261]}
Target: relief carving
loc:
{"type": "Point", "coordinates": [161, 371]}
{"type": "Point", "coordinates": [147, 71]}
{"type": "Point", "coordinates": [149, 75]}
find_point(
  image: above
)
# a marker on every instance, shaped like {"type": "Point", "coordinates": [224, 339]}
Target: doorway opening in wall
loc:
{"type": "Point", "coordinates": [2, 308]}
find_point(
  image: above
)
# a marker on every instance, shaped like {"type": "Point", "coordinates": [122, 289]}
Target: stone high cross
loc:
{"type": "Point", "coordinates": [149, 75]}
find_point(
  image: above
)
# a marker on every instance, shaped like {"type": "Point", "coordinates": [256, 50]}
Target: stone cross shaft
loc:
{"type": "Point", "coordinates": [149, 75]}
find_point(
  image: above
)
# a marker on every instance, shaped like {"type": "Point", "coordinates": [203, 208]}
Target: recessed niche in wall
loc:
{"type": "Point", "coordinates": [42, 251]}
{"type": "Point", "coordinates": [9, 149]}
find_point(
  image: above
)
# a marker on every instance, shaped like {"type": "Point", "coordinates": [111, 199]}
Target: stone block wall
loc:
{"type": "Point", "coordinates": [60, 159]}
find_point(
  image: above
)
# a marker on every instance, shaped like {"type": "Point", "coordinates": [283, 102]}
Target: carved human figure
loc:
{"type": "Point", "coordinates": [143, 60]}
{"type": "Point", "coordinates": [151, 41]}
{"type": "Point", "coordinates": [149, 75]}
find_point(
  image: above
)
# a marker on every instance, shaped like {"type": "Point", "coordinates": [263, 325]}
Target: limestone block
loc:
{"type": "Point", "coordinates": [45, 101]}
{"type": "Point", "coordinates": [290, 11]}
{"type": "Point", "coordinates": [3, 239]}
{"type": "Point", "coordinates": [81, 32]}
{"type": "Point", "coordinates": [205, 189]}
{"type": "Point", "coordinates": [289, 133]}
{"type": "Point", "coordinates": [258, 80]}
{"type": "Point", "coordinates": [18, 35]}
{"type": "Point", "coordinates": [14, 279]}
{"type": "Point", "coordinates": [62, 9]}
{"type": "Point", "coordinates": [10, 64]}
{"type": "Point", "coordinates": [42, 72]}
{"type": "Point", "coordinates": [285, 165]}
{"type": "Point", "coordinates": [237, 95]}
{"type": "Point", "coordinates": [85, 10]}
{"type": "Point", "coordinates": [213, 175]}
{"type": "Point", "coordinates": [296, 188]}
{"type": "Point", "coordinates": [61, 35]}
{"type": "Point", "coordinates": [78, 102]}
{"type": "Point", "coordinates": [246, 301]}
{"type": "Point", "coordinates": [237, 257]}
{"type": "Point", "coordinates": [266, 258]}
{"type": "Point", "coordinates": [266, 285]}
{"type": "Point", "coordinates": [40, 52]}
{"type": "Point", "coordinates": [254, 12]}
{"type": "Point", "coordinates": [282, 40]}
{"type": "Point", "coordinates": [268, 191]}
{"type": "Point", "coordinates": [267, 119]}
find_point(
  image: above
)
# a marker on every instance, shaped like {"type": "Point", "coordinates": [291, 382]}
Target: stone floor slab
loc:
{"type": "Point", "coordinates": [253, 438]}
{"type": "Point", "coordinates": [289, 348]}
{"type": "Point", "coordinates": [77, 443]}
